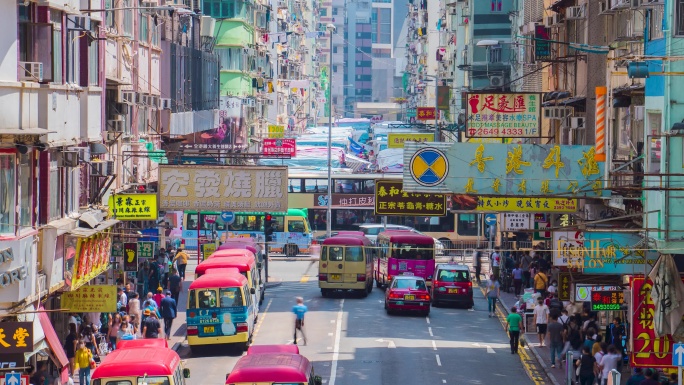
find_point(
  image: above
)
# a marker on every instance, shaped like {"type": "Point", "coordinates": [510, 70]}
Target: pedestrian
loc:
{"type": "Point", "coordinates": [84, 360]}
{"type": "Point", "coordinates": [88, 338]}
{"type": "Point", "coordinates": [492, 294]}
{"type": "Point", "coordinates": [477, 261]}
{"type": "Point", "coordinates": [154, 276]}
{"type": "Point", "coordinates": [299, 310]}
{"type": "Point", "coordinates": [517, 279]}
{"type": "Point", "coordinates": [609, 362]}
{"type": "Point", "coordinates": [553, 288]}
{"type": "Point", "coordinates": [637, 377]}
{"type": "Point", "coordinates": [41, 375]}
{"type": "Point", "coordinates": [599, 346]}
{"type": "Point", "coordinates": [158, 296]}
{"type": "Point", "coordinates": [127, 330]}
{"type": "Point", "coordinates": [163, 261]}
{"type": "Point", "coordinates": [556, 334]}
{"type": "Point", "coordinates": [144, 273]}
{"type": "Point", "coordinates": [121, 297]}
{"type": "Point", "coordinates": [540, 283]}
{"type": "Point", "coordinates": [151, 326]}
{"type": "Point", "coordinates": [181, 260]}
{"type": "Point", "coordinates": [174, 284]}
{"type": "Point", "coordinates": [587, 366]}
{"type": "Point", "coordinates": [135, 310]}
{"type": "Point", "coordinates": [70, 346]}
{"type": "Point", "coordinates": [614, 334]}
{"type": "Point", "coordinates": [598, 356]}
{"type": "Point", "coordinates": [495, 261]}
{"type": "Point", "coordinates": [114, 326]}
{"type": "Point", "coordinates": [651, 377]}
{"type": "Point", "coordinates": [590, 338]}
{"type": "Point", "coordinates": [515, 325]}
{"type": "Point", "coordinates": [169, 312]}
{"type": "Point", "coordinates": [541, 318]}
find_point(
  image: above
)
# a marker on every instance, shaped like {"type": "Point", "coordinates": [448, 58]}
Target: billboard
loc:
{"type": "Point", "coordinates": [133, 207]}
{"type": "Point", "coordinates": [503, 115]}
{"type": "Point", "coordinates": [513, 204]}
{"type": "Point", "coordinates": [87, 257]}
{"type": "Point", "coordinates": [276, 131]}
{"type": "Point", "coordinates": [647, 350]}
{"type": "Point", "coordinates": [568, 248]}
{"type": "Point", "coordinates": [280, 147]}
{"type": "Point", "coordinates": [91, 299]}
{"type": "Point", "coordinates": [223, 188]}
{"type": "Point", "coordinates": [617, 254]}
{"type": "Point", "coordinates": [391, 199]}
{"type": "Point", "coordinates": [396, 140]}
{"type": "Point", "coordinates": [425, 113]}
{"type": "Point", "coordinates": [344, 200]}
{"type": "Point", "coordinates": [511, 170]}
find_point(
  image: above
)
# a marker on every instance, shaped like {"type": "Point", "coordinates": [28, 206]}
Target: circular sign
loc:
{"type": "Point", "coordinates": [228, 217]}
{"type": "Point", "coordinates": [429, 167]}
{"type": "Point", "coordinates": [490, 219]}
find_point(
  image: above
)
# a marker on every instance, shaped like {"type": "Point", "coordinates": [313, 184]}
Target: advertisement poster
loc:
{"type": "Point", "coordinates": [91, 299]}
{"type": "Point", "coordinates": [280, 147]}
{"type": "Point", "coordinates": [503, 115]}
{"type": "Point", "coordinates": [391, 199]}
{"type": "Point", "coordinates": [568, 249]}
{"type": "Point", "coordinates": [145, 250]}
{"type": "Point", "coordinates": [70, 245]}
{"type": "Point", "coordinates": [607, 300]}
{"type": "Point", "coordinates": [425, 113]}
{"type": "Point", "coordinates": [617, 253]}
{"type": "Point", "coordinates": [91, 258]}
{"type": "Point", "coordinates": [131, 256]}
{"type": "Point", "coordinates": [396, 140]}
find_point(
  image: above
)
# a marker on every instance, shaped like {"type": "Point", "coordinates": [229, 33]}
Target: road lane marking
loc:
{"type": "Point", "coordinates": [434, 345]}
{"type": "Point", "coordinates": [261, 319]}
{"type": "Point", "coordinates": [489, 348]}
{"type": "Point", "coordinates": [390, 343]}
{"type": "Point", "coordinates": [427, 319]}
{"type": "Point", "coordinates": [336, 348]}
{"type": "Point", "coordinates": [330, 334]}
{"type": "Point", "coordinates": [443, 381]}
{"type": "Point", "coordinates": [439, 362]}
{"type": "Point", "coordinates": [430, 331]}
{"type": "Point", "coordinates": [305, 279]}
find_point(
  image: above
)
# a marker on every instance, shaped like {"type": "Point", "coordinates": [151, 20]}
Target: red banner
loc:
{"type": "Point", "coordinates": [280, 146]}
{"type": "Point", "coordinates": [425, 113]}
{"type": "Point", "coordinates": [647, 350]}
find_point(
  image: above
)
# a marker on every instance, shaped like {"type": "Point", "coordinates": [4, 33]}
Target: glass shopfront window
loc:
{"type": "Point", "coordinates": [7, 193]}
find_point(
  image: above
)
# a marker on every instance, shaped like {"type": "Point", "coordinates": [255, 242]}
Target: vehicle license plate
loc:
{"type": "Point", "coordinates": [409, 297]}
{"type": "Point", "coordinates": [335, 276]}
{"type": "Point", "coordinates": [208, 329]}
{"type": "Point", "coordinates": [452, 291]}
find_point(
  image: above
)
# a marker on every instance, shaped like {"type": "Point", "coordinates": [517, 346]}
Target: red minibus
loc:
{"type": "Point", "coordinates": [151, 365]}
{"type": "Point", "coordinates": [404, 251]}
{"type": "Point", "coordinates": [273, 368]}
{"type": "Point", "coordinates": [228, 252]}
{"type": "Point", "coordinates": [261, 349]}
{"type": "Point", "coordinates": [142, 343]}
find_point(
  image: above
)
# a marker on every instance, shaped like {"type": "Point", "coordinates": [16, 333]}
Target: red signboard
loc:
{"type": "Point", "coordinates": [647, 351]}
{"type": "Point", "coordinates": [425, 113]}
{"type": "Point", "coordinates": [280, 146]}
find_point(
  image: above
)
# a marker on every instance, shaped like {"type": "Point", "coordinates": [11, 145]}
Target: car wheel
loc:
{"type": "Point", "coordinates": [369, 289]}
{"type": "Point", "coordinates": [426, 313]}
{"type": "Point", "coordinates": [324, 293]}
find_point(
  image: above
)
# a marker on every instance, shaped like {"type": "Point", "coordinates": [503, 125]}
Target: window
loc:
{"type": "Point", "coordinates": [467, 224]}
{"type": "Point", "coordinates": [220, 9]}
{"type": "Point", "coordinates": [679, 9]}
{"type": "Point", "coordinates": [335, 254]}
{"type": "Point", "coordinates": [295, 226]}
{"type": "Point", "coordinates": [231, 58]}
{"type": "Point", "coordinates": [7, 192]}
{"type": "Point", "coordinates": [323, 12]}
{"type": "Point", "coordinates": [155, 34]}
{"type": "Point", "coordinates": [381, 25]}
{"type": "Point", "coordinates": [26, 190]}
{"type": "Point", "coordinates": [324, 253]}
{"type": "Point", "coordinates": [144, 27]}
{"type": "Point", "coordinates": [453, 276]}
{"type": "Point", "coordinates": [127, 18]}
{"type": "Point", "coordinates": [231, 297]}
{"type": "Point", "coordinates": [56, 19]}
{"type": "Point", "coordinates": [192, 300]}
{"type": "Point", "coordinates": [72, 190]}
{"type": "Point", "coordinates": [35, 45]}
{"type": "Point", "coordinates": [110, 22]}
{"type": "Point", "coordinates": [334, 11]}
{"type": "Point", "coordinates": [413, 251]}
{"type": "Point", "coordinates": [406, 283]}
{"type": "Point", "coordinates": [191, 222]}
{"type": "Point", "coordinates": [354, 254]}
{"type": "Point", "coordinates": [206, 299]}
{"type": "Point", "coordinates": [55, 193]}
{"type": "Point", "coordinates": [73, 60]}
{"type": "Point", "coordinates": [496, 5]}
{"type": "Point", "coordinates": [495, 54]}
{"type": "Point", "coordinates": [316, 185]}
{"type": "Point", "coordinates": [153, 380]}
{"type": "Point", "coordinates": [93, 60]}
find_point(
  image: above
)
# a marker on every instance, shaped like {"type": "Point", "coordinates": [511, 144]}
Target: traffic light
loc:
{"type": "Point", "coordinates": [268, 227]}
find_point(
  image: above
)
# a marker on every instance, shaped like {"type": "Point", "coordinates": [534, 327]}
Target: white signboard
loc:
{"type": "Point", "coordinates": [517, 221]}
{"type": "Point", "coordinates": [568, 248]}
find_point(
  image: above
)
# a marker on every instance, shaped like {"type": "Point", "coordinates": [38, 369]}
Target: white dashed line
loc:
{"type": "Point", "coordinates": [336, 350]}
{"type": "Point", "coordinates": [430, 331]}
{"type": "Point", "coordinates": [434, 345]}
{"type": "Point", "coordinates": [427, 319]}
{"type": "Point", "coordinates": [443, 381]}
{"type": "Point", "coordinates": [439, 362]}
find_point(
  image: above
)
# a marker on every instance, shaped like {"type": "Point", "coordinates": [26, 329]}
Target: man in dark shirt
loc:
{"type": "Point", "coordinates": [152, 327]}
{"type": "Point", "coordinates": [168, 312]}
{"type": "Point", "coordinates": [650, 378]}
{"type": "Point", "coordinates": [555, 330]}
{"type": "Point", "coordinates": [175, 285]}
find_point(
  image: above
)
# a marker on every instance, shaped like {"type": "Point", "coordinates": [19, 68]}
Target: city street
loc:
{"type": "Point", "coordinates": [351, 339]}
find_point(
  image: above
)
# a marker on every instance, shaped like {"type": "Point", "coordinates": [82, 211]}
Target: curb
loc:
{"type": "Point", "coordinates": [176, 346]}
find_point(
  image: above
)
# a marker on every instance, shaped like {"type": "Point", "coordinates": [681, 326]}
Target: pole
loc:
{"type": "Point", "coordinates": [328, 222]}
{"type": "Point", "coordinates": [438, 135]}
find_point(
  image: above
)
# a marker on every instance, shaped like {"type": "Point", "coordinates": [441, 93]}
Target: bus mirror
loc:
{"type": "Point", "coordinates": [186, 373]}
{"type": "Point", "coordinates": [318, 380]}
{"type": "Point", "coordinates": [252, 291]}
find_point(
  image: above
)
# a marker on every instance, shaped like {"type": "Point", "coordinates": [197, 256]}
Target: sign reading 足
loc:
{"type": "Point", "coordinates": [223, 188]}
{"type": "Point", "coordinates": [16, 337]}
{"type": "Point", "coordinates": [91, 299]}
{"type": "Point", "coordinates": [130, 256]}
{"type": "Point", "coordinates": [391, 199]}
{"type": "Point", "coordinates": [509, 115]}
{"type": "Point", "coordinates": [133, 207]}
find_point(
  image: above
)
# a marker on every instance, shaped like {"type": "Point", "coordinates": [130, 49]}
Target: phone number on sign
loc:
{"type": "Point", "coordinates": [503, 132]}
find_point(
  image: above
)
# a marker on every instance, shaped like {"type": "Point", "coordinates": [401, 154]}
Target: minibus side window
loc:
{"type": "Point", "coordinates": [192, 303]}
{"type": "Point", "coordinates": [98, 382]}
{"type": "Point", "coordinates": [255, 284]}
{"type": "Point", "coordinates": [231, 296]}
{"type": "Point", "coordinates": [324, 253]}
{"type": "Point", "coordinates": [178, 377]}
{"type": "Point", "coordinates": [248, 297]}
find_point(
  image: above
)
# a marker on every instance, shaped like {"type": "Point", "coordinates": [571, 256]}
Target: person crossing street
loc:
{"type": "Point", "coordinates": [299, 310]}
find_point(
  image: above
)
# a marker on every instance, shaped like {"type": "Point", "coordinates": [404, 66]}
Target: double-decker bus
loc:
{"type": "Point", "coordinates": [401, 251]}
{"type": "Point", "coordinates": [353, 204]}
{"type": "Point", "coordinates": [292, 233]}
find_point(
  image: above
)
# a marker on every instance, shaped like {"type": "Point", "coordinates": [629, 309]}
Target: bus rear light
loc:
{"type": "Point", "coordinates": [389, 278]}
{"type": "Point", "coordinates": [192, 330]}
{"type": "Point", "coordinates": [242, 327]}
{"type": "Point", "coordinates": [360, 277]}
{"type": "Point", "coordinates": [322, 277]}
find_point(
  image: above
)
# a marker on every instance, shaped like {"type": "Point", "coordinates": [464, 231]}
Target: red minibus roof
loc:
{"type": "Point", "coordinates": [143, 343]}
{"type": "Point", "coordinates": [262, 349]}
{"type": "Point", "coordinates": [406, 237]}
{"type": "Point", "coordinates": [347, 240]}
{"type": "Point", "coordinates": [233, 252]}
{"type": "Point", "coordinates": [138, 362]}
{"type": "Point", "coordinates": [241, 263]}
{"type": "Point", "coordinates": [354, 233]}
{"type": "Point", "coordinates": [219, 277]}
{"type": "Point", "coordinates": [270, 367]}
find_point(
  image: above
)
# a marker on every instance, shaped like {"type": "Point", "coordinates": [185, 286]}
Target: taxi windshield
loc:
{"type": "Point", "coordinates": [453, 276]}
{"type": "Point", "coordinates": [412, 284]}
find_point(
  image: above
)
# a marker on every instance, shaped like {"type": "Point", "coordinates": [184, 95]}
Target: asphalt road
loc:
{"type": "Point", "coordinates": [351, 340]}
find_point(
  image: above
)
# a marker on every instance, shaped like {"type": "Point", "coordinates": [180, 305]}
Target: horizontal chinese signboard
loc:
{"type": "Point", "coordinates": [513, 204]}
{"type": "Point", "coordinates": [276, 131]}
{"type": "Point", "coordinates": [16, 337]}
{"type": "Point", "coordinates": [607, 300]}
{"type": "Point", "coordinates": [396, 140]}
{"type": "Point", "coordinates": [617, 253]}
{"type": "Point", "coordinates": [133, 207]}
{"type": "Point", "coordinates": [425, 113]}
{"type": "Point", "coordinates": [91, 299]}
{"type": "Point", "coordinates": [512, 115]}
{"type": "Point", "coordinates": [511, 170]}
{"type": "Point", "coordinates": [223, 188]}
{"type": "Point", "coordinates": [647, 350]}
{"type": "Point", "coordinates": [280, 147]}
{"type": "Point", "coordinates": [345, 200]}
{"type": "Point", "coordinates": [391, 199]}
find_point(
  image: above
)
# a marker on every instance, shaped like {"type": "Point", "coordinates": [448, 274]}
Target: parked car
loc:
{"type": "Point", "coordinates": [407, 293]}
{"type": "Point", "coordinates": [372, 230]}
{"type": "Point", "coordinates": [452, 284]}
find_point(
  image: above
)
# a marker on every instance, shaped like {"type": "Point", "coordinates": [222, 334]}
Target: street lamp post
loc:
{"type": "Point", "coordinates": [438, 134]}
{"type": "Point", "coordinates": [328, 222]}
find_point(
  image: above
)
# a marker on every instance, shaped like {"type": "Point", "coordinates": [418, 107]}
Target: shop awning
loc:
{"type": "Point", "coordinates": [86, 232]}
{"type": "Point", "coordinates": [55, 344]}
{"type": "Point", "coordinates": [25, 131]}
{"type": "Point", "coordinates": [63, 225]}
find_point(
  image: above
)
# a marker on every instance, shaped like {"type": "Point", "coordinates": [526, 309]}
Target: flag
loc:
{"type": "Point", "coordinates": [667, 295]}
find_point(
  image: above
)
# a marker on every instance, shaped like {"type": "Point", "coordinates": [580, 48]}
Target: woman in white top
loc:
{"type": "Point", "coordinates": [609, 362]}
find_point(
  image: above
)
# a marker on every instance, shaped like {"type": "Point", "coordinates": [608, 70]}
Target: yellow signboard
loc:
{"type": "Point", "coordinates": [276, 131]}
{"type": "Point", "coordinates": [530, 205]}
{"type": "Point", "coordinates": [207, 250]}
{"type": "Point", "coordinates": [90, 260]}
{"type": "Point", "coordinates": [91, 299]}
{"type": "Point", "coordinates": [133, 207]}
{"type": "Point", "coordinates": [397, 140]}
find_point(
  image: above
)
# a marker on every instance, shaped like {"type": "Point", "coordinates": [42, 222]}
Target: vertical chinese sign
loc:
{"type": "Point", "coordinates": [647, 350]}
{"type": "Point", "coordinates": [130, 256]}
{"type": "Point", "coordinates": [231, 128]}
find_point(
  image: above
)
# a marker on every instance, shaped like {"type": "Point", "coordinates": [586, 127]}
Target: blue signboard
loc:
{"type": "Point", "coordinates": [12, 378]}
{"type": "Point", "coordinates": [490, 219]}
{"type": "Point", "coordinates": [616, 253]}
{"type": "Point", "coordinates": [228, 217]}
{"type": "Point", "coordinates": [678, 356]}
{"type": "Point", "coordinates": [496, 169]}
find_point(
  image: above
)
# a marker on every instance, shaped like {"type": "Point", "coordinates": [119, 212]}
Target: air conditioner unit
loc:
{"type": "Point", "coordinates": [115, 125]}
{"type": "Point", "coordinates": [549, 112]}
{"type": "Point", "coordinates": [127, 97]}
{"type": "Point", "coordinates": [80, 22]}
{"type": "Point", "coordinates": [563, 112]}
{"type": "Point", "coordinates": [138, 98]}
{"type": "Point", "coordinates": [68, 159]}
{"type": "Point", "coordinates": [154, 101]}
{"type": "Point", "coordinates": [112, 136]}
{"type": "Point", "coordinates": [151, 3]}
{"type": "Point", "coordinates": [102, 168]}
{"type": "Point", "coordinates": [576, 122]}
{"type": "Point", "coordinates": [165, 103]}
{"type": "Point", "coordinates": [604, 8]}
{"type": "Point", "coordinates": [575, 13]}
{"type": "Point", "coordinates": [119, 117]}
{"type": "Point", "coordinates": [529, 28]}
{"type": "Point", "coordinates": [496, 81]}
{"type": "Point", "coordinates": [548, 21]}
{"type": "Point", "coordinates": [654, 2]}
{"type": "Point", "coordinates": [30, 71]}
{"type": "Point", "coordinates": [270, 102]}
{"type": "Point", "coordinates": [619, 4]}
{"type": "Point", "coordinates": [558, 19]}
{"type": "Point", "coordinates": [636, 3]}
{"type": "Point", "coordinates": [638, 113]}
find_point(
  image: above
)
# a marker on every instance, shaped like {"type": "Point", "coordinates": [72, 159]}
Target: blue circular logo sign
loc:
{"type": "Point", "coordinates": [429, 167]}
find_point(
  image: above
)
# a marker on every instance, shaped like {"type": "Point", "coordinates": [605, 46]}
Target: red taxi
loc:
{"type": "Point", "coordinates": [452, 284]}
{"type": "Point", "coordinates": [407, 292]}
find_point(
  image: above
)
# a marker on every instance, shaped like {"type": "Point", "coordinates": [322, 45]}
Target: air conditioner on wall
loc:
{"type": "Point", "coordinates": [573, 122]}
{"type": "Point", "coordinates": [165, 103]}
{"type": "Point", "coordinates": [30, 71]}
{"type": "Point", "coordinates": [127, 97]}
{"type": "Point", "coordinates": [575, 13]}
{"type": "Point", "coordinates": [549, 112]}
{"type": "Point", "coordinates": [67, 158]}
{"type": "Point", "coordinates": [115, 125]}
{"type": "Point", "coordinates": [496, 80]}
